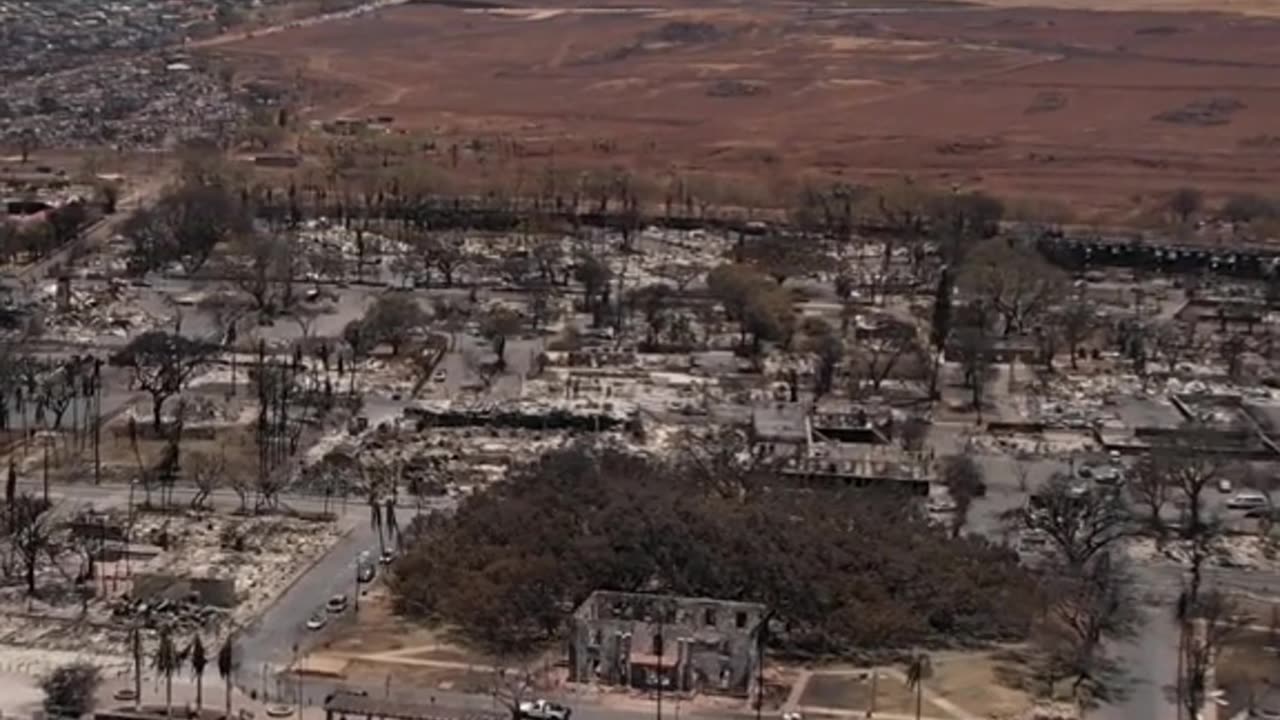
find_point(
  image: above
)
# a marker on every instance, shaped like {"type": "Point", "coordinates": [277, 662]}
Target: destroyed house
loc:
{"type": "Point", "coordinates": [680, 644]}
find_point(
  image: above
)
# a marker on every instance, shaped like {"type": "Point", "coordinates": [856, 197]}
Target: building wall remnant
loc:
{"type": "Point", "coordinates": [681, 644]}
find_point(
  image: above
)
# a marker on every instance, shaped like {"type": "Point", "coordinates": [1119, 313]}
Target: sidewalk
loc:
{"type": "Point", "coordinates": [184, 696]}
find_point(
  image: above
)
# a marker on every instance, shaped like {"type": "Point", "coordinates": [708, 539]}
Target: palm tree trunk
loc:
{"type": "Point", "coordinates": [168, 696]}
{"type": "Point", "coordinates": [137, 667]}
{"type": "Point", "coordinates": [199, 692]}
{"type": "Point", "coordinates": [919, 697]}
{"type": "Point", "coordinates": [228, 681]}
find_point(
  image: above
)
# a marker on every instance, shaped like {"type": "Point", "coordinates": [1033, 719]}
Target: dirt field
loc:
{"type": "Point", "coordinates": [852, 693]}
{"type": "Point", "coordinates": [1106, 111]}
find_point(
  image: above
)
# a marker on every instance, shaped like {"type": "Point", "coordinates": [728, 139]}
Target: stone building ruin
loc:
{"type": "Point", "coordinates": [679, 644]}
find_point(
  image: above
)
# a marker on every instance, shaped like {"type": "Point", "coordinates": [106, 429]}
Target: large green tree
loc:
{"type": "Point", "coordinates": [843, 570]}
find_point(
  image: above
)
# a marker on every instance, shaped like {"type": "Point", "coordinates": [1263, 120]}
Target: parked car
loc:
{"type": "Point", "coordinates": [365, 572]}
{"type": "Point", "coordinates": [1260, 513]}
{"type": "Point", "coordinates": [439, 376]}
{"type": "Point", "coordinates": [941, 505]}
{"type": "Point", "coordinates": [316, 621]}
{"type": "Point", "coordinates": [1247, 500]}
{"type": "Point", "coordinates": [387, 556]}
{"type": "Point", "coordinates": [544, 710]}
{"type": "Point", "coordinates": [1225, 486]}
{"type": "Point", "coordinates": [1108, 475]}
{"type": "Point", "coordinates": [336, 604]}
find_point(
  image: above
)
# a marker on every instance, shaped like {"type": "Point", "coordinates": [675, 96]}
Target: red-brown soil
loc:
{"type": "Point", "coordinates": [1041, 103]}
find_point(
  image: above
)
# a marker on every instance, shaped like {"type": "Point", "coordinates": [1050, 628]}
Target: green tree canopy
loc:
{"type": "Point", "coordinates": [843, 570]}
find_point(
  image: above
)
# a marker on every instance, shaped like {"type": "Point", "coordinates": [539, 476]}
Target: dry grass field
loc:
{"type": "Point", "coordinates": [1103, 111]}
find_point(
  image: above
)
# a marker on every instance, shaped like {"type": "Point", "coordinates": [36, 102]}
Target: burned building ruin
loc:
{"type": "Point", "coordinates": [678, 644]}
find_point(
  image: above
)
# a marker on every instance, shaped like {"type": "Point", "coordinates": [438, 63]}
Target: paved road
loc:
{"type": "Point", "coordinates": [97, 234]}
{"type": "Point", "coordinates": [239, 35]}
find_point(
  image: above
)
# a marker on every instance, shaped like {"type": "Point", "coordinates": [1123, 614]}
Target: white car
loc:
{"type": "Point", "coordinates": [317, 621]}
{"type": "Point", "coordinates": [1108, 475]}
{"type": "Point", "coordinates": [941, 505]}
{"type": "Point", "coordinates": [1247, 500]}
{"type": "Point", "coordinates": [544, 710]}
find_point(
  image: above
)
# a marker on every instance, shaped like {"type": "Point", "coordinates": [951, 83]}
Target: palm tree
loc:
{"type": "Point", "coordinates": [167, 662]}
{"type": "Point", "coordinates": [199, 660]}
{"type": "Point", "coordinates": [135, 648]}
{"type": "Point", "coordinates": [375, 518]}
{"type": "Point", "coordinates": [389, 517]}
{"type": "Point", "coordinates": [226, 666]}
{"type": "Point", "coordinates": [919, 669]}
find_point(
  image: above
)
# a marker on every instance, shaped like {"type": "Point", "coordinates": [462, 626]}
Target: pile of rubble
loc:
{"type": "Point", "coordinates": [43, 36]}
{"type": "Point", "coordinates": [137, 102]}
{"type": "Point", "coordinates": [58, 636]}
{"type": "Point", "coordinates": [85, 314]}
{"type": "Point", "coordinates": [445, 462]}
{"type": "Point", "coordinates": [249, 561]}
{"type": "Point", "coordinates": [260, 555]}
{"type": "Point", "coordinates": [41, 662]}
{"type": "Point", "coordinates": [1047, 710]}
{"type": "Point", "coordinates": [1234, 551]}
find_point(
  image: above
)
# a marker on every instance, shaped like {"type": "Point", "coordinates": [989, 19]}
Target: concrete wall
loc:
{"type": "Point", "coordinates": [709, 645]}
{"type": "Point", "coordinates": [218, 592]}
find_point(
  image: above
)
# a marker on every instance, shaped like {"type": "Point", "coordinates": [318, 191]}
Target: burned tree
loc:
{"type": "Point", "coordinates": [261, 267]}
{"type": "Point", "coordinates": [761, 309]}
{"type": "Point", "coordinates": [965, 481]}
{"type": "Point", "coordinates": [32, 535]}
{"type": "Point", "coordinates": [975, 350]}
{"type": "Point", "coordinates": [826, 349]}
{"type": "Point", "coordinates": [161, 364]}
{"type": "Point", "coordinates": [1207, 623]}
{"type": "Point", "coordinates": [497, 326]}
{"type": "Point", "coordinates": [1191, 469]}
{"type": "Point", "coordinates": [394, 319]}
{"type": "Point", "coordinates": [1086, 608]}
{"type": "Point", "coordinates": [1013, 280]}
{"type": "Point", "coordinates": [878, 353]}
{"type": "Point", "coordinates": [595, 276]}
{"type": "Point", "coordinates": [781, 257]}
{"type": "Point", "coordinates": [1075, 323]}
{"type": "Point", "coordinates": [654, 302]}
{"type": "Point", "coordinates": [1148, 487]}
{"type": "Point", "coordinates": [1080, 525]}
{"type": "Point", "coordinates": [187, 223]}
{"type": "Point", "coordinates": [206, 471]}
{"type": "Point", "coordinates": [1184, 203]}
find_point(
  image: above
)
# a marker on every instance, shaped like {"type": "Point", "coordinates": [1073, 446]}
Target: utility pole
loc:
{"type": "Point", "coordinates": [761, 639]}
{"type": "Point", "coordinates": [46, 469]}
{"type": "Point", "coordinates": [297, 679]}
{"type": "Point", "coordinates": [97, 421]}
{"type": "Point", "coordinates": [658, 650]}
